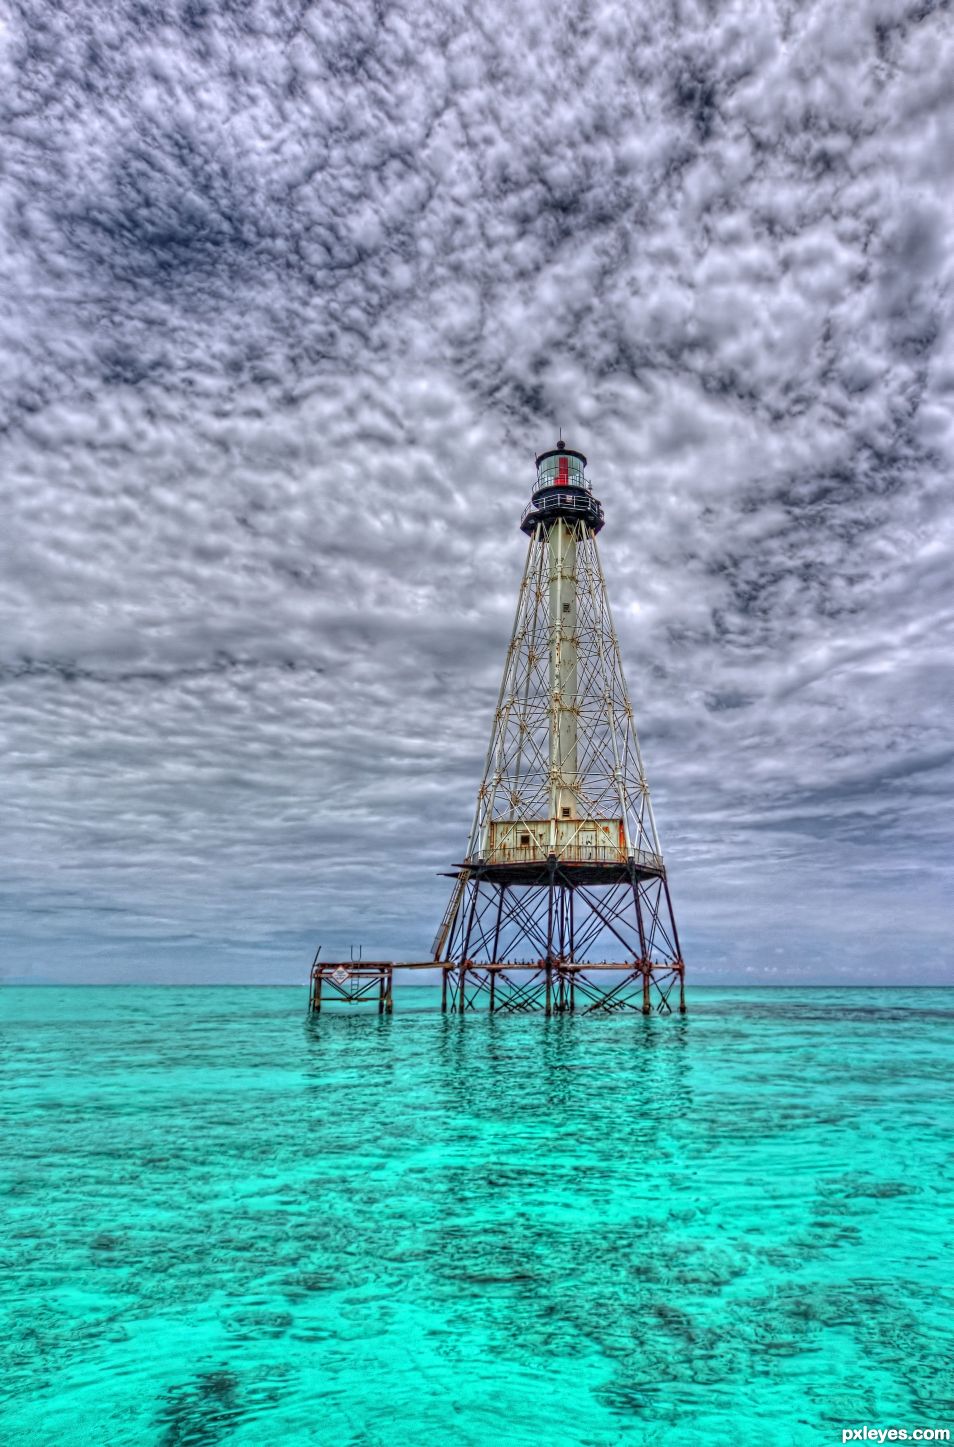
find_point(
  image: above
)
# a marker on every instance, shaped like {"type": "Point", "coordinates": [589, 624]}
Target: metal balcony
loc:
{"type": "Point", "coordinates": [577, 504]}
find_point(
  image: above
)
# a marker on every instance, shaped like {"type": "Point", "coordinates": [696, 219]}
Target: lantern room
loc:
{"type": "Point", "coordinates": [560, 467]}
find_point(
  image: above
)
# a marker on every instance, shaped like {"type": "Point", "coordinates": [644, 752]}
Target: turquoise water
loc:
{"type": "Point", "coordinates": [223, 1224]}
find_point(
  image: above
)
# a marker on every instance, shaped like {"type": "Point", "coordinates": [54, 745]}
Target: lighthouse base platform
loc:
{"type": "Point", "coordinates": [564, 987]}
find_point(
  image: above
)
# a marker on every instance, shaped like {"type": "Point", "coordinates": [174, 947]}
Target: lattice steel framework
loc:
{"type": "Point", "coordinates": [562, 901]}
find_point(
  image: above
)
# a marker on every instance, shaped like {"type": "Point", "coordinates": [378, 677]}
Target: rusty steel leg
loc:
{"type": "Point", "coordinates": [474, 897]}
{"type": "Point", "coordinates": [316, 994]}
{"type": "Point", "coordinates": [572, 941]}
{"type": "Point", "coordinates": [672, 919]}
{"type": "Point", "coordinates": [682, 992]}
{"type": "Point", "coordinates": [551, 870]}
{"type": "Point", "coordinates": [493, 988]}
{"type": "Point", "coordinates": [443, 992]}
{"type": "Point", "coordinates": [549, 994]}
{"type": "Point", "coordinates": [500, 905]}
{"type": "Point", "coordinates": [642, 944]}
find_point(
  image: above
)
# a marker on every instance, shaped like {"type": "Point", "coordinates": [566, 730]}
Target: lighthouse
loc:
{"type": "Point", "coordinates": [562, 900]}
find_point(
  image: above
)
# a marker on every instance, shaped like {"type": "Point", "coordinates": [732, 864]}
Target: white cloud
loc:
{"type": "Point", "coordinates": [290, 299]}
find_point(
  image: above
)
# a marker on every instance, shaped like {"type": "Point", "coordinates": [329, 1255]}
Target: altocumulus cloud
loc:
{"type": "Point", "coordinates": [290, 295]}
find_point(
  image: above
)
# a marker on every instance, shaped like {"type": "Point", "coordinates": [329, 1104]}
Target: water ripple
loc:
{"type": "Point", "coordinates": [224, 1223]}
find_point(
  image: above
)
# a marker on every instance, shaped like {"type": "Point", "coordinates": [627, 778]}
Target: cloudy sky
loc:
{"type": "Point", "coordinates": [290, 295]}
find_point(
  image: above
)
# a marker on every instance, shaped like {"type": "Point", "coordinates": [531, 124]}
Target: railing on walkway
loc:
{"type": "Point", "coordinates": [573, 853]}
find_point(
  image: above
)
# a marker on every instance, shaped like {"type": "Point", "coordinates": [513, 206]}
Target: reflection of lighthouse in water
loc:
{"type": "Point", "coordinates": [564, 870]}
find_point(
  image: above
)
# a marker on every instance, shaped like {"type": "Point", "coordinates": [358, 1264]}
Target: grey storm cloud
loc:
{"type": "Point", "coordinates": [290, 295]}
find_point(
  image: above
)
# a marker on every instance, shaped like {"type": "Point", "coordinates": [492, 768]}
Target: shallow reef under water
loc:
{"type": "Point", "coordinates": [223, 1222]}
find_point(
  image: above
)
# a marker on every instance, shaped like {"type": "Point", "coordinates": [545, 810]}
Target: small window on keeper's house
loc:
{"type": "Point", "coordinates": [566, 607]}
{"type": "Point", "coordinates": [565, 812]}
{"type": "Point", "coordinates": [524, 838]}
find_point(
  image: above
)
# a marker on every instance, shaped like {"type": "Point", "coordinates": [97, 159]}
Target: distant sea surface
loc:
{"type": "Point", "coordinates": [222, 1223]}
